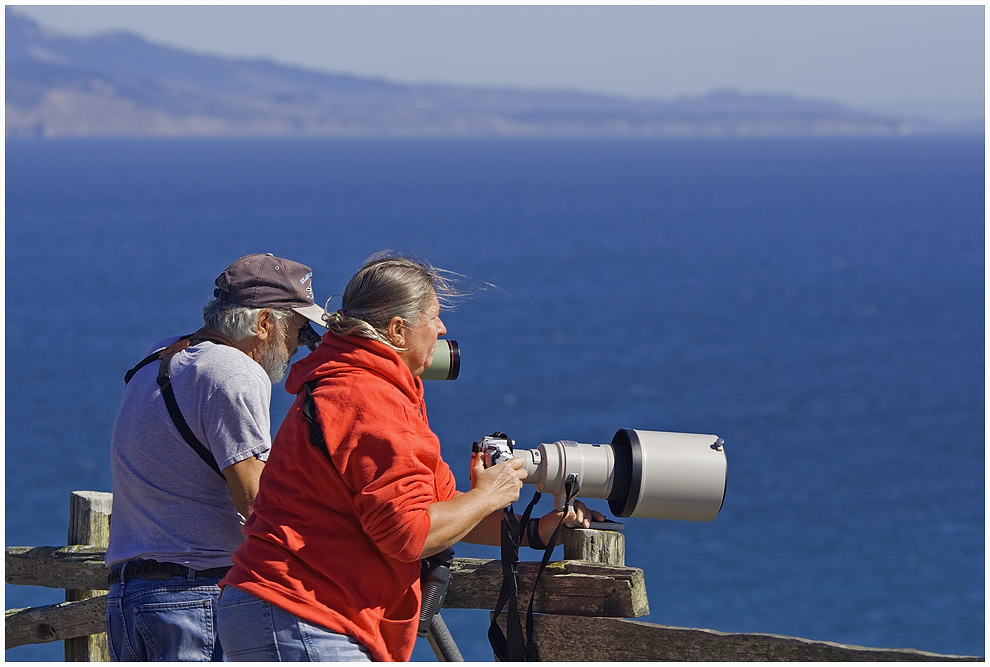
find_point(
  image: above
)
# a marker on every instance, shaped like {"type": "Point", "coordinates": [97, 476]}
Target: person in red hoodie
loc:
{"type": "Point", "coordinates": [330, 568]}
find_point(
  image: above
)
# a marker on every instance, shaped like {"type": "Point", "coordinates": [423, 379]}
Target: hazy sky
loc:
{"type": "Point", "coordinates": [904, 58]}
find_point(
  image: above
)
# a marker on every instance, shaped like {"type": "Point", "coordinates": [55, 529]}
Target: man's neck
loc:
{"type": "Point", "coordinates": [209, 333]}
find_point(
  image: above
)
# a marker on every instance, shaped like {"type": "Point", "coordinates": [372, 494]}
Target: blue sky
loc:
{"type": "Point", "coordinates": [908, 59]}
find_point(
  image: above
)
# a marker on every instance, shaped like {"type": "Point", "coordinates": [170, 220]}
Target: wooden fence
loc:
{"type": "Point", "coordinates": [585, 604]}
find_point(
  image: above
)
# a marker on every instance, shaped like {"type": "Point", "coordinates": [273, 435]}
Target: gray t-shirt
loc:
{"type": "Point", "coordinates": [168, 504]}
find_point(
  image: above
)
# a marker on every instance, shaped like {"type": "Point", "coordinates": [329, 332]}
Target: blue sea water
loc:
{"type": "Point", "coordinates": [819, 304]}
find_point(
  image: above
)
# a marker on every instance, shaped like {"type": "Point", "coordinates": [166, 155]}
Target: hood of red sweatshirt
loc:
{"type": "Point", "coordinates": [348, 354]}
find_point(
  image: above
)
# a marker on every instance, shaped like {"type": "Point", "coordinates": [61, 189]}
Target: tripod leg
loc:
{"type": "Point", "coordinates": [442, 643]}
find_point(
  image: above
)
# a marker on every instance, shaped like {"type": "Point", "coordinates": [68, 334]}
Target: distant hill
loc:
{"type": "Point", "coordinates": [117, 84]}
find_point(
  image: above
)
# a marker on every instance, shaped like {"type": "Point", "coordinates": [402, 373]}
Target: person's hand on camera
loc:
{"type": "Point", "coordinates": [502, 482]}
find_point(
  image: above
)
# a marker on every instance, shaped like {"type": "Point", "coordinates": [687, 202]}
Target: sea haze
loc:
{"type": "Point", "coordinates": [819, 304]}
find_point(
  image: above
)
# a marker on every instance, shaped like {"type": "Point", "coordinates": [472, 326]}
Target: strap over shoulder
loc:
{"type": "Point", "coordinates": [164, 379]}
{"type": "Point", "coordinates": [309, 412]}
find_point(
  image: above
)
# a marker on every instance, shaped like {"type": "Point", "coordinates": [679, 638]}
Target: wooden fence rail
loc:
{"type": "Point", "coordinates": [583, 607]}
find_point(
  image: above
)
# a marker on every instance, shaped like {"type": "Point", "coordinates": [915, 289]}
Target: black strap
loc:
{"type": "Point", "coordinates": [154, 356]}
{"type": "Point", "coordinates": [309, 412]}
{"type": "Point", "coordinates": [511, 646]}
{"type": "Point", "coordinates": [164, 380]}
{"type": "Point", "coordinates": [570, 491]}
{"type": "Point", "coordinates": [514, 646]}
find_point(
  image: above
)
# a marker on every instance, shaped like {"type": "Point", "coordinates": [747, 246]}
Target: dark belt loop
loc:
{"type": "Point", "coordinates": [117, 573]}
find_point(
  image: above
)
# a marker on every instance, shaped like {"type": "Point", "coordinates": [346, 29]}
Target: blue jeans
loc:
{"type": "Point", "coordinates": [254, 630]}
{"type": "Point", "coordinates": [167, 620]}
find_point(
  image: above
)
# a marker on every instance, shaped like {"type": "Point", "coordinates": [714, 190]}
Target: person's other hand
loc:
{"type": "Point", "coordinates": [578, 515]}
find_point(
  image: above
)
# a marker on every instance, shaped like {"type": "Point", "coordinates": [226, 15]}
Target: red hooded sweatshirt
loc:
{"type": "Point", "coordinates": [339, 544]}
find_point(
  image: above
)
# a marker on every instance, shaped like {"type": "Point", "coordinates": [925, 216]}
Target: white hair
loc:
{"type": "Point", "coordinates": [239, 322]}
{"type": "Point", "coordinates": [387, 286]}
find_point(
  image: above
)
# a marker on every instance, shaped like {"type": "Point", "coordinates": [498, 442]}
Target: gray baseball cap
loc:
{"type": "Point", "coordinates": [267, 281]}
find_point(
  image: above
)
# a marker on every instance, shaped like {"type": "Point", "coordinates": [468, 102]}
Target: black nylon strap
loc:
{"type": "Point", "coordinates": [570, 490]}
{"type": "Point", "coordinates": [165, 384]}
{"type": "Point", "coordinates": [511, 646]}
{"type": "Point", "coordinates": [309, 412]}
{"type": "Point", "coordinates": [154, 356]}
{"type": "Point", "coordinates": [505, 645]}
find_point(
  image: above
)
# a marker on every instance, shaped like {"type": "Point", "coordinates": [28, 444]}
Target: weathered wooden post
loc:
{"type": "Point", "coordinates": [89, 523]}
{"type": "Point", "coordinates": [606, 546]}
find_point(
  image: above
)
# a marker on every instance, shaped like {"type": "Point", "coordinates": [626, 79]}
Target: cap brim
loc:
{"type": "Point", "coordinates": [314, 313]}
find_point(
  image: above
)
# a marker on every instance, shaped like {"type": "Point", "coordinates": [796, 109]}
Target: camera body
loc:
{"type": "Point", "coordinates": [494, 448]}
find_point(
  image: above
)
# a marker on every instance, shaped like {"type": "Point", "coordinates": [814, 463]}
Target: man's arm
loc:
{"type": "Point", "coordinates": [242, 480]}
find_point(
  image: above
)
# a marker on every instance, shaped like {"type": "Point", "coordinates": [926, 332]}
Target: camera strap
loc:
{"type": "Point", "coordinates": [309, 413]}
{"type": "Point", "coordinates": [164, 379]}
{"type": "Point", "coordinates": [513, 646]}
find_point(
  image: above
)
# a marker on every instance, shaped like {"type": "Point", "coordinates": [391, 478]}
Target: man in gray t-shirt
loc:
{"type": "Point", "coordinates": [185, 473]}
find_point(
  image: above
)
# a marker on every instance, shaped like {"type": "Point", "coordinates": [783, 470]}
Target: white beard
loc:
{"type": "Point", "coordinates": [275, 360]}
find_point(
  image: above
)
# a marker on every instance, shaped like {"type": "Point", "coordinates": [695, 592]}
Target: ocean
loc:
{"type": "Point", "coordinates": [817, 303]}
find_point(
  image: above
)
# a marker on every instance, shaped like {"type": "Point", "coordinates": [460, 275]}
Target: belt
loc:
{"type": "Point", "coordinates": [152, 569]}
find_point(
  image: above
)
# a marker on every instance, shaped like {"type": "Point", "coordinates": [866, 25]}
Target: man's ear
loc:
{"type": "Point", "coordinates": [394, 329]}
{"type": "Point", "coordinates": [265, 326]}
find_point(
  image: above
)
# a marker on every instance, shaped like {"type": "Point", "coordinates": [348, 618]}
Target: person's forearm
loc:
{"type": "Point", "coordinates": [242, 481]}
{"type": "Point", "coordinates": [453, 520]}
{"type": "Point", "coordinates": [488, 531]}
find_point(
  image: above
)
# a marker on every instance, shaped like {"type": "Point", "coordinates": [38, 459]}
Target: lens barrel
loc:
{"type": "Point", "coordinates": [446, 361]}
{"type": "Point", "coordinates": [651, 474]}
{"type": "Point", "coordinates": [665, 475]}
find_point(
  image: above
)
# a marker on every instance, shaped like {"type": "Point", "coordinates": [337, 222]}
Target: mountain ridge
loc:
{"type": "Point", "coordinates": [119, 85]}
